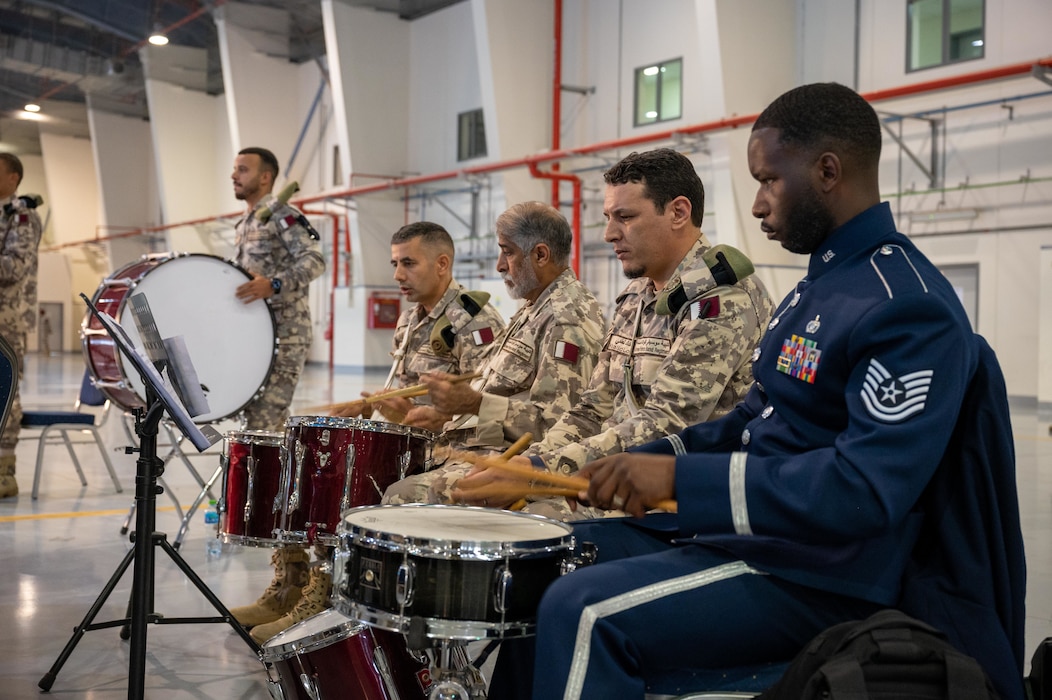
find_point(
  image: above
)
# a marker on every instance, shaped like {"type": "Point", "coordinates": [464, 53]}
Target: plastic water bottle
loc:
{"type": "Point", "coordinates": [213, 546]}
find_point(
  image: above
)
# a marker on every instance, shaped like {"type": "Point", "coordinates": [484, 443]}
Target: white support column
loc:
{"type": "Point", "coordinates": [188, 130]}
{"type": "Point", "coordinates": [514, 44]}
{"type": "Point", "coordinates": [368, 57]}
{"type": "Point", "coordinates": [125, 168]}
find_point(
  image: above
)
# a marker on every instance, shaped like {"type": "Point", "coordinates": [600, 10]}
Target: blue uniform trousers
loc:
{"type": "Point", "coordinates": [650, 607]}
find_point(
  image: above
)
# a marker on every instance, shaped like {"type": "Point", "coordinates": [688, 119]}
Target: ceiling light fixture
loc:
{"type": "Point", "coordinates": [158, 38]}
{"type": "Point", "coordinates": [32, 107]}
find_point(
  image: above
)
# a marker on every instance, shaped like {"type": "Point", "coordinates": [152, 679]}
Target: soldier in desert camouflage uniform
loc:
{"type": "Point", "coordinates": [281, 251]}
{"type": "Point", "coordinates": [542, 361]}
{"type": "Point", "coordinates": [20, 232]}
{"type": "Point", "coordinates": [448, 329]}
{"type": "Point", "coordinates": [680, 344]}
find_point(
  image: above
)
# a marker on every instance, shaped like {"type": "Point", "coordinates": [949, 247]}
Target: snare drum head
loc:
{"type": "Point", "coordinates": [231, 344]}
{"type": "Point", "coordinates": [441, 530]}
{"type": "Point", "coordinates": [321, 630]}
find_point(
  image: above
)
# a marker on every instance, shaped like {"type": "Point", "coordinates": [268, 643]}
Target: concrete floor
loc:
{"type": "Point", "coordinates": [57, 553]}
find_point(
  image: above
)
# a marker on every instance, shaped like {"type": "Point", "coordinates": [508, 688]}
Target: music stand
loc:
{"type": "Point", "coordinates": [148, 469]}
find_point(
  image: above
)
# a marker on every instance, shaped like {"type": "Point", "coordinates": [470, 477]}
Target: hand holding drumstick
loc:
{"type": "Point", "coordinates": [393, 401]}
{"type": "Point", "coordinates": [630, 482]}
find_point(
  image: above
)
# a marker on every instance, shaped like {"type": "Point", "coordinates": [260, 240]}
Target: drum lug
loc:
{"type": "Point", "coordinates": [503, 587]}
{"type": "Point", "coordinates": [403, 463]}
{"type": "Point", "coordinates": [404, 583]}
{"type": "Point", "coordinates": [294, 497]}
{"type": "Point", "coordinates": [251, 466]}
{"type": "Point", "coordinates": [274, 686]}
{"type": "Point", "coordinates": [345, 501]}
{"type": "Point", "coordinates": [310, 686]}
{"type": "Point", "coordinates": [584, 554]}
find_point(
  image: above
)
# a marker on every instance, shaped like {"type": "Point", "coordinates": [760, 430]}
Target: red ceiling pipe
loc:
{"type": "Point", "coordinates": [718, 125]}
{"type": "Point", "coordinates": [557, 94]}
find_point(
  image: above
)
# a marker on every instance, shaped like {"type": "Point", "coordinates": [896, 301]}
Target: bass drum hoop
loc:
{"type": "Point", "coordinates": [119, 390]}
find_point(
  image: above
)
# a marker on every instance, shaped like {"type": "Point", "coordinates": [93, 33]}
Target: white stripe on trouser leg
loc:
{"type": "Point", "coordinates": [635, 598]}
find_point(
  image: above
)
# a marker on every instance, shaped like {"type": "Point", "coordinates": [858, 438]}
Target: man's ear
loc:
{"type": "Point", "coordinates": [541, 254]}
{"type": "Point", "coordinates": [442, 262]}
{"type": "Point", "coordinates": [829, 169]}
{"type": "Point", "coordinates": [681, 211]}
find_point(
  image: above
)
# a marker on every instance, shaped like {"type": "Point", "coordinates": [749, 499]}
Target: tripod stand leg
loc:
{"type": "Point", "coordinates": [207, 592]}
{"type": "Point", "coordinates": [48, 680]}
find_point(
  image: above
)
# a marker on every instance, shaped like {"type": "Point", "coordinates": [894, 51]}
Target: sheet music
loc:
{"type": "Point", "coordinates": [184, 377]}
{"type": "Point", "coordinates": [151, 337]}
{"type": "Point", "coordinates": [202, 437]}
{"type": "Point", "coordinates": [170, 357]}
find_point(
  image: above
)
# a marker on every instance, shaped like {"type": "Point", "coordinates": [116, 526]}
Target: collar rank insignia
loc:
{"type": "Point", "coordinates": [894, 399]}
{"type": "Point", "coordinates": [799, 358]}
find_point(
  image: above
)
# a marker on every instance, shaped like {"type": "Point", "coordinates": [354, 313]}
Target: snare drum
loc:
{"type": "Point", "coordinates": [332, 464]}
{"type": "Point", "coordinates": [250, 511]}
{"type": "Point", "coordinates": [331, 656]}
{"type": "Point", "coordinates": [457, 572]}
{"type": "Point", "coordinates": [231, 344]}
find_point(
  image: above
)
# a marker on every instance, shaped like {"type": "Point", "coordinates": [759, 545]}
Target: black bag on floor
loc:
{"type": "Point", "coordinates": [888, 655]}
{"type": "Point", "coordinates": [1040, 678]}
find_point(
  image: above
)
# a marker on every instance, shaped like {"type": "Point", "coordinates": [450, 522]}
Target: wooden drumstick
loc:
{"type": "Point", "coordinates": [567, 485]}
{"type": "Point", "coordinates": [404, 392]}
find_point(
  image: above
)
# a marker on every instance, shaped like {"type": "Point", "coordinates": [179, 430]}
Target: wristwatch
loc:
{"type": "Point", "coordinates": [275, 284]}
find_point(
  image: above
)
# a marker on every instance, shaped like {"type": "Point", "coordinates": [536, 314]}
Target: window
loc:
{"type": "Point", "coordinates": [659, 92]}
{"type": "Point", "coordinates": [471, 135]}
{"type": "Point", "coordinates": [943, 31]}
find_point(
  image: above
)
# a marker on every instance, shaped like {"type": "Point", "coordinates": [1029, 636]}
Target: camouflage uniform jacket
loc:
{"type": "Point", "coordinates": [280, 247]}
{"type": "Point", "coordinates": [474, 336]}
{"type": "Point", "coordinates": [687, 367]}
{"type": "Point", "coordinates": [540, 365]}
{"type": "Point", "coordinates": [20, 233]}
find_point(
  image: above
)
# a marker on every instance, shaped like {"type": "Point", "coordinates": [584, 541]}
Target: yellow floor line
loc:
{"type": "Point", "coordinates": [74, 514]}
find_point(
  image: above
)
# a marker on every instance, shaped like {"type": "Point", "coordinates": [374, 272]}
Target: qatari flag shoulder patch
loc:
{"type": "Point", "coordinates": [567, 352]}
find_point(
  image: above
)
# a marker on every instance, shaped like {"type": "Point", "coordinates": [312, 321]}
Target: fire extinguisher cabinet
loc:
{"type": "Point", "coordinates": [384, 310]}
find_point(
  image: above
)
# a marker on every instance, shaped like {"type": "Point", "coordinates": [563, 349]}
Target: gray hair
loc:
{"type": "Point", "coordinates": [530, 223]}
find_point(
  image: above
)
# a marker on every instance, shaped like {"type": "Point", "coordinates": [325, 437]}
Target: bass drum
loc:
{"type": "Point", "coordinates": [232, 345]}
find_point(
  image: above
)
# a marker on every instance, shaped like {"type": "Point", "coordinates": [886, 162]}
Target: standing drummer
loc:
{"type": "Point", "coordinates": [280, 249]}
{"type": "Point", "coordinates": [448, 329]}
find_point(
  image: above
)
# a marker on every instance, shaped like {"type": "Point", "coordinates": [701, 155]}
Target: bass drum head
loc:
{"type": "Point", "coordinates": [232, 344]}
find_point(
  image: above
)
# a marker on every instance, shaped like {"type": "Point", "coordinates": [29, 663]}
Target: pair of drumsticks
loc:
{"type": "Point", "coordinates": [523, 481]}
{"type": "Point", "coordinates": [358, 405]}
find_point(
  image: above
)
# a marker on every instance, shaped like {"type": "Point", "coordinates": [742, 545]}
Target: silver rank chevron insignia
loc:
{"type": "Point", "coordinates": [799, 358]}
{"type": "Point", "coordinates": [894, 399]}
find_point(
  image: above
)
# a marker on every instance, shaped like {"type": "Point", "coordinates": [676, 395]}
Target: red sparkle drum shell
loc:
{"type": "Point", "coordinates": [334, 464]}
{"type": "Point", "coordinates": [330, 656]}
{"type": "Point", "coordinates": [250, 511]}
{"type": "Point", "coordinates": [232, 345]}
{"type": "Point", "coordinates": [459, 572]}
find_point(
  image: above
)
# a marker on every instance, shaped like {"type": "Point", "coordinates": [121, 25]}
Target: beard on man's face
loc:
{"type": "Point", "coordinates": [808, 223]}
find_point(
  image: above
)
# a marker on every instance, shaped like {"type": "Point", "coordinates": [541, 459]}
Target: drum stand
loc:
{"type": "Point", "coordinates": [175, 450]}
{"type": "Point", "coordinates": [148, 470]}
{"type": "Point", "coordinates": [455, 677]}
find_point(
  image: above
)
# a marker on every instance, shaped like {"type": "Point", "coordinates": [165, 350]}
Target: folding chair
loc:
{"type": "Point", "coordinates": [59, 425]}
{"type": "Point", "coordinates": [8, 379]}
